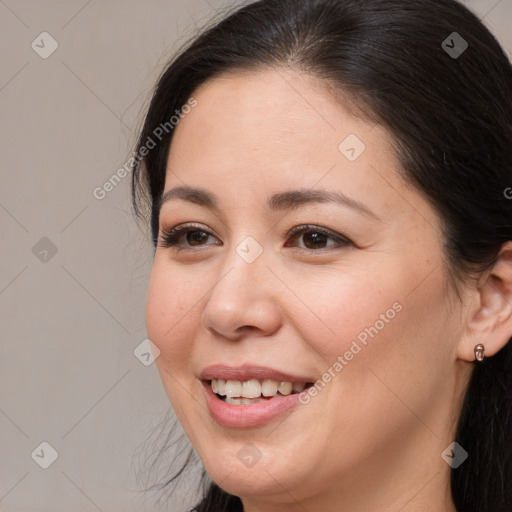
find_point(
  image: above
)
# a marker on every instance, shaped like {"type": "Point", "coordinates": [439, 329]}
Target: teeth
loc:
{"type": "Point", "coordinates": [221, 386]}
{"type": "Point", "coordinates": [285, 388]}
{"type": "Point", "coordinates": [299, 386]}
{"type": "Point", "coordinates": [253, 389]}
{"type": "Point", "coordinates": [244, 401]}
{"type": "Point", "coordinates": [233, 388]}
{"type": "Point", "coordinates": [269, 387]}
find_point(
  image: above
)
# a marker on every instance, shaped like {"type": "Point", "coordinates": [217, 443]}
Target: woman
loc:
{"type": "Point", "coordinates": [331, 290]}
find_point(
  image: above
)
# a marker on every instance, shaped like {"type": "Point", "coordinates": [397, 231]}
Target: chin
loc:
{"type": "Point", "coordinates": [251, 484]}
{"type": "Point", "coordinates": [263, 479]}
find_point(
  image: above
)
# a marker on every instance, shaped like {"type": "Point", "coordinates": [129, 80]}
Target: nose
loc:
{"type": "Point", "coordinates": [243, 300]}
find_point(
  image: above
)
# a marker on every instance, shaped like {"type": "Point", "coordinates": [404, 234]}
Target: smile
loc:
{"type": "Point", "coordinates": [250, 396]}
{"type": "Point", "coordinates": [254, 391]}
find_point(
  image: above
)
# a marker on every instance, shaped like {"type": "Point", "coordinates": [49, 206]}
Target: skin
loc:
{"type": "Point", "coordinates": [372, 438]}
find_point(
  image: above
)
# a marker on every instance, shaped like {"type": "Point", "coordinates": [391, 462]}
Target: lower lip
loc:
{"type": "Point", "coordinates": [254, 415]}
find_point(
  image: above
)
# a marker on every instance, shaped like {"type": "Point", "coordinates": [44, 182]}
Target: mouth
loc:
{"type": "Point", "coordinates": [248, 395]}
{"type": "Point", "coordinates": [253, 391]}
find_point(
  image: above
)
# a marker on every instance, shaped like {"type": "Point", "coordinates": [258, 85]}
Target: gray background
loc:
{"type": "Point", "coordinates": [70, 321]}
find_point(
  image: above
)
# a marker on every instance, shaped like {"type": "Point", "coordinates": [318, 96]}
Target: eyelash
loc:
{"type": "Point", "coordinates": [170, 236]}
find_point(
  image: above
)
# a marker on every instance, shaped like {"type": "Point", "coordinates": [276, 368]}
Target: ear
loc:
{"type": "Point", "coordinates": [490, 321]}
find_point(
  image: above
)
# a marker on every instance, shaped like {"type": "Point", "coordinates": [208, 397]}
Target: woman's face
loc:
{"type": "Point", "coordinates": [359, 302]}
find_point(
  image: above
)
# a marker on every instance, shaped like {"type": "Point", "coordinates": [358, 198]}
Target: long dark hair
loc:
{"type": "Point", "coordinates": [431, 73]}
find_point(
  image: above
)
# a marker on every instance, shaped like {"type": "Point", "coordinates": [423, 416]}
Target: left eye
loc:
{"type": "Point", "coordinates": [314, 237]}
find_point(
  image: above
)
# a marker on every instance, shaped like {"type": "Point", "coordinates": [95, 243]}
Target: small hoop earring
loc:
{"type": "Point", "coordinates": [479, 352]}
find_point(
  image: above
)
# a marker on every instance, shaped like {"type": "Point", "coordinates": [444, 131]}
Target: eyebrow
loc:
{"type": "Point", "coordinates": [290, 199]}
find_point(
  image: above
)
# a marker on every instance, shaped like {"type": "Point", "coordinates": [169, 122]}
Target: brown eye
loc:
{"type": "Point", "coordinates": [315, 237]}
{"type": "Point", "coordinates": [194, 236]}
{"type": "Point", "coordinates": [314, 240]}
{"type": "Point", "coordinates": [188, 236]}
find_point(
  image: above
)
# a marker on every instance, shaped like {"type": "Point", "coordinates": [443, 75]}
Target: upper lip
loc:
{"type": "Point", "coordinates": [248, 372]}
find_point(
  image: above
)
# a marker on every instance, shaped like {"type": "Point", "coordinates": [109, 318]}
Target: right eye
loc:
{"type": "Point", "coordinates": [171, 237]}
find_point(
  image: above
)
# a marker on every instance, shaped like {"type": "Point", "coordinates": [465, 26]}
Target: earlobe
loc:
{"type": "Point", "coordinates": [490, 324]}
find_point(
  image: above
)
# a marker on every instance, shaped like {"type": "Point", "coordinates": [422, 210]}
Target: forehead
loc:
{"type": "Point", "coordinates": [272, 120]}
{"type": "Point", "coordinates": [254, 134]}
{"type": "Point", "coordinates": [275, 107]}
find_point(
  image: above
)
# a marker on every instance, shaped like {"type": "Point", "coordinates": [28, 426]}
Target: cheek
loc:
{"type": "Point", "coordinates": [347, 306]}
{"type": "Point", "coordinates": [396, 347]}
{"type": "Point", "coordinates": [382, 321]}
{"type": "Point", "coordinates": [171, 313]}
{"type": "Point", "coordinates": [171, 324]}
